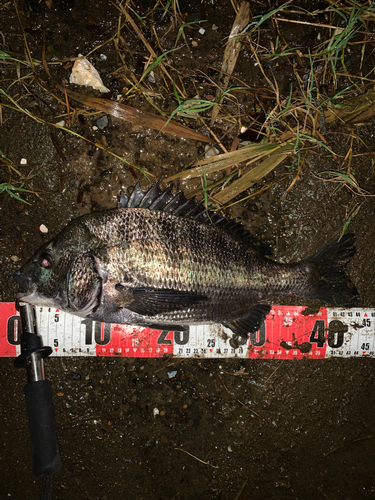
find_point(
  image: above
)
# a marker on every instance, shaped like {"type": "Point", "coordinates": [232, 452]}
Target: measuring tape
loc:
{"type": "Point", "coordinates": [287, 333]}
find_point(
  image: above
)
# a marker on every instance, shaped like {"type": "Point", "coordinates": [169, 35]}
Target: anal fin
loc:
{"type": "Point", "coordinates": [251, 322]}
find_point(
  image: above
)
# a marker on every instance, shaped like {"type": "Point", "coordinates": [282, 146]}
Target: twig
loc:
{"type": "Point", "coordinates": [196, 458]}
{"type": "Point", "coordinates": [350, 442]}
{"type": "Point", "coordinates": [237, 497]}
{"type": "Point", "coordinates": [272, 374]}
{"type": "Point", "coordinates": [236, 399]}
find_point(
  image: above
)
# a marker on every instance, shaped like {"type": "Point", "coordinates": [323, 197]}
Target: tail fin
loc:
{"type": "Point", "coordinates": [330, 281]}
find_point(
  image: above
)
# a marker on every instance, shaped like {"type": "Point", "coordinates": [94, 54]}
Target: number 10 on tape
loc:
{"type": "Point", "coordinates": [287, 333]}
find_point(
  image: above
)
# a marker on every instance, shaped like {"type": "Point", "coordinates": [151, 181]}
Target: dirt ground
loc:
{"type": "Point", "coordinates": [227, 429]}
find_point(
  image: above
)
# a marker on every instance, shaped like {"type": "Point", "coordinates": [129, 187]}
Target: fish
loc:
{"type": "Point", "coordinates": [163, 261]}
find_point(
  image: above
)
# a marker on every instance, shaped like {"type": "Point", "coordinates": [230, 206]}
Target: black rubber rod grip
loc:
{"type": "Point", "coordinates": [42, 427]}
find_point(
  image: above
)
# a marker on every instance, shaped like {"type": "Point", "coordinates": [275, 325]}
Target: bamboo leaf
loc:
{"type": "Point", "coordinates": [225, 160]}
{"type": "Point", "coordinates": [254, 175]}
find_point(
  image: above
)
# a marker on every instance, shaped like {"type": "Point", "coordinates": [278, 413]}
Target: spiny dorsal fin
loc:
{"type": "Point", "coordinates": [176, 204]}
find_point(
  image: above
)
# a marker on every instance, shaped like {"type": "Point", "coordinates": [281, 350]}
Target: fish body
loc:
{"type": "Point", "coordinates": [164, 261]}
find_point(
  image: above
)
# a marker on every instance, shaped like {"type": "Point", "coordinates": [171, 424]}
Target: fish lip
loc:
{"type": "Point", "coordinates": [20, 279]}
{"type": "Point", "coordinates": [23, 296]}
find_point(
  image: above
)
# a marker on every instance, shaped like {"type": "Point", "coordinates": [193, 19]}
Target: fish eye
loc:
{"type": "Point", "coordinates": [46, 260]}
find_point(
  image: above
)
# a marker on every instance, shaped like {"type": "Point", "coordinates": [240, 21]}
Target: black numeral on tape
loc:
{"type": "Point", "coordinates": [14, 330]}
{"type": "Point", "coordinates": [335, 337]}
{"type": "Point", "coordinates": [97, 332]}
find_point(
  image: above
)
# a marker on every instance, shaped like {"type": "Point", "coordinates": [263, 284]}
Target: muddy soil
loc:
{"type": "Point", "coordinates": [226, 429]}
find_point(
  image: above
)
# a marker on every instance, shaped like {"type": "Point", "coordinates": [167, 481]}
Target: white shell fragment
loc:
{"type": "Point", "coordinates": [84, 73]}
{"type": "Point", "coordinates": [43, 228]}
{"type": "Point", "coordinates": [155, 412]}
{"type": "Point", "coordinates": [23, 161]}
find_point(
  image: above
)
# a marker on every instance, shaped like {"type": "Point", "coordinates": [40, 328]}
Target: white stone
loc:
{"type": "Point", "coordinates": [84, 73]}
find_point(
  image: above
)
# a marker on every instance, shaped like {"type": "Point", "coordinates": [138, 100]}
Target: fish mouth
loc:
{"type": "Point", "coordinates": [32, 297]}
{"type": "Point", "coordinates": [27, 293]}
{"type": "Point", "coordinates": [22, 281]}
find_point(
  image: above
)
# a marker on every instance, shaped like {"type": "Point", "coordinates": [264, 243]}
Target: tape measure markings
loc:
{"type": "Point", "coordinates": [287, 333]}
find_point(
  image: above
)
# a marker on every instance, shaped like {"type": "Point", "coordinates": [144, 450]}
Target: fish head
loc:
{"type": "Point", "coordinates": [43, 276]}
{"type": "Point", "coordinates": [62, 274]}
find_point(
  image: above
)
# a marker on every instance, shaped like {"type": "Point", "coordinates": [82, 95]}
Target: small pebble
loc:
{"type": "Point", "coordinates": [43, 229]}
{"type": "Point", "coordinates": [210, 151]}
{"type": "Point", "coordinates": [74, 183]}
{"type": "Point", "coordinates": [194, 43]}
{"type": "Point", "coordinates": [172, 374]}
{"type": "Point", "coordinates": [214, 27]}
{"type": "Point", "coordinates": [151, 77]}
{"type": "Point", "coordinates": [102, 122]}
{"type": "Point", "coordinates": [14, 258]}
{"type": "Point", "coordinates": [61, 124]}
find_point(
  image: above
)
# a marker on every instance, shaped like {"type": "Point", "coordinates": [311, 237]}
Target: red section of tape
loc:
{"type": "Point", "coordinates": [134, 341]}
{"type": "Point", "coordinates": [10, 329]}
{"type": "Point", "coordinates": [289, 334]}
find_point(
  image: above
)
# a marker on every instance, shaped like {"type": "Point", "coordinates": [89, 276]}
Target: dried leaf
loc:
{"type": "Point", "coordinates": [231, 51]}
{"type": "Point", "coordinates": [356, 110]}
{"type": "Point", "coordinates": [137, 117]}
{"type": "Point", "coordinates": [250, 178]}
{"type": "Point", "coordinates": [225, 160]}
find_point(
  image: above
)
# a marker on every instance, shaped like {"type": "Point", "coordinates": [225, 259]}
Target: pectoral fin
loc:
{"type": "Point", "coordinates": [151, 302]}
{"type": "Point", "coordinates": [251, 322]}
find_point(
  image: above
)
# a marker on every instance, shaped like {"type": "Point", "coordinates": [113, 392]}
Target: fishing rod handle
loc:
{"type": "Point", "coordinates": [42, 426]}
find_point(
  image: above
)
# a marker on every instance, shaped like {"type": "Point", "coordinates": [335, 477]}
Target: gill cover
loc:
{"type": "Point", "coordinates": [84, 285]}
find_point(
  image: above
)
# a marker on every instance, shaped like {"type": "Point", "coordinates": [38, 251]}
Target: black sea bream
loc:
{"type": "Point", "coordinates": [163, 261]}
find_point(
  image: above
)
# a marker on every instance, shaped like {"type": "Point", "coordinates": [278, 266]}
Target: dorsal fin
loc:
{"type": "Point", "coordinates": [176, 204]}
